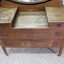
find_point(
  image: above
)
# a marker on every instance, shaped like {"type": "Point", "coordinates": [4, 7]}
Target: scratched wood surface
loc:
{"type": "Point", "coordinates": [7, 14]}
{"type": "Point", "coordinates": [31, 20]}
{"type": "Point", "coordinates": [55, 13]}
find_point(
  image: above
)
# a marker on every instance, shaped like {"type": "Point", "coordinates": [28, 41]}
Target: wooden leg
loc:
{"type": "Point", "coordinates": [60, 51]}
{"type": "Point", "coordinates": [4, 49]}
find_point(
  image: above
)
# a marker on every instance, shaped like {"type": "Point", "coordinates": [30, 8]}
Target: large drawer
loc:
{"type": "Point", "coordinates": [42, 42]}
{"type": "Point", "coordinates": [39, 33]}
{"type": "Point", "coordinates": [31, 33]}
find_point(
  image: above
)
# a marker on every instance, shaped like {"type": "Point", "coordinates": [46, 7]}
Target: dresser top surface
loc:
{"type": "Point", "coordinates": [55, 13]}
{"type": "Point", "coordinates": [7, 14]}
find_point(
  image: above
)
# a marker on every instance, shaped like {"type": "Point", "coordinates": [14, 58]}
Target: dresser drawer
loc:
{"type": "Point", "coordinates": [58, 33]}
{"type": "Point", "coordinates": [57, 25]}
{"type": "Point", "coordinates": [32, 42]}
{"type": "Point", "coordinates": [33, 33]}
{"type": "Point", "coordinates": [5, 25]}
{"type": "Point", "coordinates": [7, 33]}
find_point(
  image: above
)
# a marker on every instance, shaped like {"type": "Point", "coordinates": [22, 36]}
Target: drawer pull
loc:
{"type": "Point", "coordinates": [57, 33]}
{"type": "Point", "coordinates": [55, 42]}
{"type": "Point", "coordinates": [4, 34]}
{"type": "Point", "coordinates": [1, 26]}
{"type": "Point", "coordinates": [58, 25]}
{"type": "Point", "coordinates": [8, 43]}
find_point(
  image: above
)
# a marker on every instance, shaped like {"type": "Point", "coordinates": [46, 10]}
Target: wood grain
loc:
{"type": "Point", "coordinates": [56, 25]}
{"type": "Point", "coordinates": [55, 13]}
{"type": "Point", "coordinates": [7, 14]}
{"type": "Point", "coordinates": [26, 8]}
{"type": "Point", "coordinates": [32, 33]}
{"type": "Point", "coordinates": [7, 33]}
{"type": "Point", "coordinates": [41, 42]}
{"type": "Point", "coordinates": [5, 25]}
{"type": "Point", "coordinates": [31, 20]}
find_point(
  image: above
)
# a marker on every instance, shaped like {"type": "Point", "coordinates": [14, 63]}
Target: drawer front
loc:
{"type": "Point", "coordinates": [58, 33]}
{"type": "Point", "coordinates": [32, 42]}
{"type": "Point", "coordinates": [57, 25]}
{"type": "Point", "coordinates": [7, 33]}
{"type": "Point", "coordinates": [34, 33]}
{"type": "Point", "coordinates": [5, 25]}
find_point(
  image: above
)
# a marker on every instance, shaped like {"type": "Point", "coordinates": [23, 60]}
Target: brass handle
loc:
{"type": "Point", "coordinates": [8, 43]}
{"type": "Point", "coordinates": [4, 34]}
{"type": "Point", "coordinates": [1, 26]}
{"type": "Point", "coordinates": [57, 33]}
{"type": "Point", "coordinates": [55, 42]}
{"type": "Point", "coordinates": [58, 25]}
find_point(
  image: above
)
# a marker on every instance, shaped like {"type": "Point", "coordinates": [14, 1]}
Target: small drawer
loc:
{"type": "Point", "coordinates": [5, 25]}
{"type": "Point", "coordinates": [58, 33]}
{"type": "Point", "coordinates": [32, 42]}
{"type": "Point", "coordinates": [7, 33]}
{"type": "Point", "coordinates": [57, 25]}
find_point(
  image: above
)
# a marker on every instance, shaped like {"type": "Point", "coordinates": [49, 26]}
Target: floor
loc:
{"type": "Point", "coordinates": [31, 56]}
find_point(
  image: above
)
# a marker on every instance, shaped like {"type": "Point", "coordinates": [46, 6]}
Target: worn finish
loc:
{"type": "Point", "coordinates": [57, 25]}
{"type": "Point", "coordinates": [7, 14]}
{"type": "Point", "coordinates": [7, 33]}
{"type": "Point", "coordinates": [55, 13]}
{"type": "Point", "coordinates": [31, 20]}
{"type": "Point", "coordinates": [41, 42]}
{"type": "Point", "coordinates": [31, 8]}
{"type": "Point", "coordinates": [32, 33]}
{"type": "Point", "coordinates": [5, 25]}
{"type": "Point", "coordinates": [31, 26]}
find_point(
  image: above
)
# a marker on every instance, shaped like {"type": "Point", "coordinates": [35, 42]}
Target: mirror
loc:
{"type": "Point", "coordinates": [29, 0]}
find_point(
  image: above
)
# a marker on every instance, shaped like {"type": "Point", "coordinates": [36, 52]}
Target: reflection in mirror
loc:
{"type": "Point", "coordinates": [29, 0]}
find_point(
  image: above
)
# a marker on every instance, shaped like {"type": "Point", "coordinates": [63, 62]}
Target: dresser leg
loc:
{"type": "Point", "coordinates": [60, 51]}
{"type": "Point", "coordinates": [4, 49]}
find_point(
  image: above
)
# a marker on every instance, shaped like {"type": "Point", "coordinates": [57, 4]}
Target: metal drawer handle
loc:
{"type": "Point", "coordinates": [55, 42]}
{"type": "Point", "coordinates": [8, 43]}
{"type": "Point", "coordinates": [58, 25]}
{"type": "Point", "coordinates": [4, 34]}
{"type": "Point", "coordinates": [57, 33]}
{"type": "Point", "coordinates": [1, 26]}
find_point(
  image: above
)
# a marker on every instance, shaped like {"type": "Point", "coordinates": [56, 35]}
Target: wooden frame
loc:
{"type": "Point", "coordinates": [31, 8]}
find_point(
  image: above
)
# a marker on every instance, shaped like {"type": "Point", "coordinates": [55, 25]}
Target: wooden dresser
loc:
{"type": "Point", "coordinates": [41, 25]}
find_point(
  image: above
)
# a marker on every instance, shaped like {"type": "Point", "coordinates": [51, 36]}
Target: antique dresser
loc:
{"type": "Point", "coordinates": [32, 23]}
